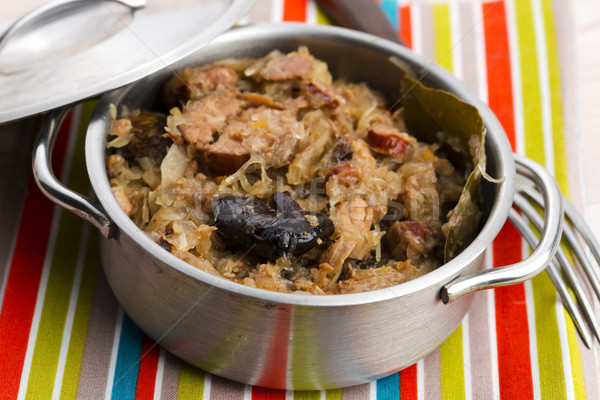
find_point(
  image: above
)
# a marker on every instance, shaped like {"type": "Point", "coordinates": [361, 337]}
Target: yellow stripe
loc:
{"type": "Point", "coordinates": [561, 171]}
{"type": "Point", "coordinates": [572, 335]}
{"type": "Point", "coordinates": [558, 128]}
{"type": "Point", "coordinates": [322, 18]}
{"type": "Point", "coordinates": [451, 351]}
{"type": "Point", "coordinates": [576, 364]}
{"type": "Point", "coordinates": [333, 394]}
{"type": "Point", "coordinates": [530, 83]}
{"type": "Point", "coordinates": [191, 382]}
{"type": "Point", "coordinates": [550, 360]}
{"type": "Point", "coordinates": [443, 37]}
{"type": "Point", "coordinates": [452, 366]}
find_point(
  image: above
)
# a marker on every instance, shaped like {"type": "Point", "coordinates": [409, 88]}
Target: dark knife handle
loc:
{"type": "Point", "coordinates": [361, 15]}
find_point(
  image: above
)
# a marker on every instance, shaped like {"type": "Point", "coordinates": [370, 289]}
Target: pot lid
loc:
{"type": "Point", "coordinates": [69, 50]}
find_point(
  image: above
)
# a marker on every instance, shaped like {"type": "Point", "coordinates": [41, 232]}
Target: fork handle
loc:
{"type": "Point", "coordinates": [541, 256]}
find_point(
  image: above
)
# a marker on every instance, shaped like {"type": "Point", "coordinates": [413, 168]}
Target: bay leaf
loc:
{"type": "Point", "coordinates": [429, 112]}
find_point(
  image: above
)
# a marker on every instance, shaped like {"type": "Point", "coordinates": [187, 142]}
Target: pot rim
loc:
{"type": "Point", "coordinates": [495, 139]}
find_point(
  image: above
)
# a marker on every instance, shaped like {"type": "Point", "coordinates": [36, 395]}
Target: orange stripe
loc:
{"type": "Point", "coordinates": [405, 26]}
{"type": "Point", "coordinates": [294, 10]}
{"type": "Point", "coordinates": [147, 370]}
{"type": "Point", "coordinates": [500, 96]}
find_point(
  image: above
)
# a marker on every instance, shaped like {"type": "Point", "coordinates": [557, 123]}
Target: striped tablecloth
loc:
{"type": "Point", "coordinates": [63, 334]}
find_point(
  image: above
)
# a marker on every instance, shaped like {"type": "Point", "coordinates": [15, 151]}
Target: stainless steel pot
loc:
{"type": "Point", "coordinates": [284, 340]}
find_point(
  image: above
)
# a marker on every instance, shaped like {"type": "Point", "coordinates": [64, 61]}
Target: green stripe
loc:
{"type": "Point", "coordinates": [334, 394]}
{"type": "Point", "coordinates": [573, 340]}
{"type": "Point", "coordinates": [575, 355]}
{"type": "Point", "coordinates": [556, 100]}
{"type": "Point", "coordinates": [452, 366]}
{"type": "Point", "coordinates": [58, 290]}
{"type": "Point", "coordinates": [551, 370]}
{"type": "Point", "coordinates": [443, 36]}
{"type": "Point", "coordinates": [191, 382]}
{"type": "Point", "coordinates": [307, 395]}
{"type": "Point", "coordinates": [81, 320]}
{"type": "Point", "coordinates": [84, 301]}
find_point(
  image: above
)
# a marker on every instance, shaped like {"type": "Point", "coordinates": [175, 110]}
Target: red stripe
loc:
{"type": "Point", "coordinates": [408, 383]}
{"type": "Point", "coordinates": [514, 364]}
{"type": "Point", "coordinates": [500, 96]}
{"type": "Point", "coordinates": [277, 350]}
{"type": "Point", "coordinates": [147, 370]}
{"type": "Point", "coordinates": [294, 10]}
{"type": "Point", "coordinates": [405, 26]}
{"type": "Point", "coordinates": [261, 393]}
{"type": "Point", "coordinates": [24, 277]}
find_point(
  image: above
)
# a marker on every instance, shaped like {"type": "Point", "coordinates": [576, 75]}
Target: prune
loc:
{"type": "Point", "coordinates": [148, 136]}
{"type": "Point", "coordinates": [270, 230]}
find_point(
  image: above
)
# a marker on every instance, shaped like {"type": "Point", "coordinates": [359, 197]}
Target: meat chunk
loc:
{"type": "Point", "coordinates": [259, 99]}
{"type": "Point", "coordinates": [268, 133]}
{"type": "Point", "coordinates": [194, 83]}
{"type": "Point", "coordinates": [355, 215]}
{"type": "Point", "coordinates": [420, 197]}
{"type": "Point", "coordinates": [353, 223]}
{"type": "Point", "coordinates": [225, 156]}
{"type": "Point", "coordinates": [285, 67]}
{"type": "Point", "coordinates": [347, 174]}
{"type": "Point", "coordinates": [408, 239]}
{"type": "Point", "coordinates": [202, 118]}
{"type": "Point", "coordinates": [320, 94]}
{"type": "Point", "coordinates": [217, 78]}
{"type": "Point", "coordinates": [387, 140]}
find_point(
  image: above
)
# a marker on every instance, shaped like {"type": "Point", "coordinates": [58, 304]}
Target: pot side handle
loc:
{"type": "Point", "coordinates": [541, 256]}
{"type": "Point", "coordinates": [51, 186]}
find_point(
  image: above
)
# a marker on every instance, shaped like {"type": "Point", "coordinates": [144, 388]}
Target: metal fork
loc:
{"type": "Point", "coordinates": [582, 313]}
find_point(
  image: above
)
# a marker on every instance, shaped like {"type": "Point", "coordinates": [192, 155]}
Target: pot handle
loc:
{"type": "Point", "coordinates": [48, 183]}
{"type": "Point", "coordinates": [541, 256]}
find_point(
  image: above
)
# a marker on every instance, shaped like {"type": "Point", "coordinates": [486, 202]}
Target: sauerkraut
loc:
{"type": "Point", "coordinates": [272, 174]}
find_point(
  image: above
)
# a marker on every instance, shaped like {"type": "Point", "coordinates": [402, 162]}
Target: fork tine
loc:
{"type": "Point", "coordinates": [562, 258]}
{"type": "Point", "coordinates": [569, 235]}
{"type": "Point", "coordinates": [554, 274]}
{"type": "Point", "coordinates": [575, 218]}
{"type": "Point", "coordinates": [580, 225]}
{"type": "Point", "coordinates": [579, 291]}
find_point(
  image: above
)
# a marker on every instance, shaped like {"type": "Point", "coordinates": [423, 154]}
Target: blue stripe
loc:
{"type": "Point", "coordinates": [388, 388]}
{"type": "Point", "coordinates": [390, 9]}
{"type": "Point", "coordinates": [128, 360]}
